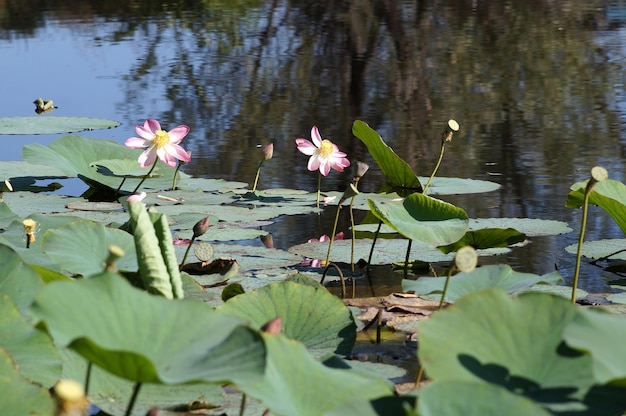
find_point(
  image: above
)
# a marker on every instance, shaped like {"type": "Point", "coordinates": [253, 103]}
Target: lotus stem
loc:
{"type": "Point", "coordinates": [178, 165]}
{"type": "Point", "coordinates": [258, 173]}
{"type": "Point", "coordinates": [242, 408]}
{"type": "Point", "coordinates": [146, 176]}
{"type": "Point", "coordinates": [581, 237]}
{"type": "Point", "coordinates": [353, 235]}
{"type": "Point", "coordinates": [332, 236]}
{"type": "Point", "coordinates": [369, 259]}
{"type": "Point", "coordinates": [445, 288]}
{"type": "Point", "coordinates": [379, 320]}
{"type": "Point", "coordinates": [407, 257]}
{"type": "Point", "coordinates": [88, 378]}
{"type": "Point", "coordinates": [343, 282]}
{"type": "Point", "coordinates": [432, 175]}
{"type": "Point", "coordinates": [182, 263]}
{"type": "Point", "coordinates": [319, 191]}
{"type": "Point", "coordinates": [133, 398]}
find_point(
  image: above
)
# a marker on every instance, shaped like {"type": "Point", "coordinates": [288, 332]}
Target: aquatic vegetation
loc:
{"type": "Point", "coordinates": [146, 331]}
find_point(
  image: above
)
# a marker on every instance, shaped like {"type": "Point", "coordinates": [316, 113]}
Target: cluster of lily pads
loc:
{"type": "Point", "coordinates": [97, 289]}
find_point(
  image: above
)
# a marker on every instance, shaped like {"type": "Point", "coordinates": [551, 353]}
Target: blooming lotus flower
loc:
{"type": "Point", "coordinates": [324, 153]}
{"type": "Point", "coordinates": [160, 143]}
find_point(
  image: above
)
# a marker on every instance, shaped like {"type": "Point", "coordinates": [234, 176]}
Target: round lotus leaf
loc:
{"type": "Point", "coordinates": [52, 124]}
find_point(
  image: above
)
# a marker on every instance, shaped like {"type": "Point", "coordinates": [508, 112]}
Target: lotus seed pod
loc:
{"type": "Point", "coordinates": [466, 259]}
{"type": "Point", "coordinates": [599, 174]}
{"type": "Point", "coordinates": [70, 398]}
{"type": "Point", "coordinates": [349, 193]}
{"type": "Point", "coordinates": [361, 169]}
{"type": "Point", "coordinates": [451, 128]}
{"type": "Point", "coordinates": [115, 253]}
{"type": "Point", "coordinates": [203, 251]}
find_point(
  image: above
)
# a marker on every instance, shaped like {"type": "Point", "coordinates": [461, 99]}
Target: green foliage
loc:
{"type": "Point", "coordinates": [52, 125]}
{"type": "Point", "coordinates": [609, 194]}
{"type": "Point", "coordinates": [142, 338]}
{"type": "Point", "coordinates": [423, 218]}
{"type": "Point", "coordinates": [158, 267]}
{"type": "Point", "coordinates": [486, 277]}
{"type": "Point", "coordinates": [398, 172]}
{"type": "Point", "coordinates": [309, 314]}
{"type": "Point", "coordinates": [486, 238]}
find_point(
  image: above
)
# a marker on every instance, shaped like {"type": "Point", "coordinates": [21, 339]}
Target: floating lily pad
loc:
{"type": "Point", "coordinates": [386, 251]}
{"type": "Point", "coordinates": [486, 238]}
{"type": "Point", "coordinates": [486, 277]}
{"type": "Point", "coordinates": [532, 227]}
{"type": "Point", "coordinates": [53, 125]}
{"type": "Point", "coordinates": [615, 248]}
{"type": "Point", "coordinates": [458, 186]}
{"type": "Point", "coordinates": [251, 257]}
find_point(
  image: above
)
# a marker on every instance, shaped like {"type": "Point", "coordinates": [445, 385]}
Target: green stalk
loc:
{"type": "Point", "coordinates": [258, 173]}
{"type": "Point", "coordinates": [353, 236]}
{"type": "Point", "coordinates": [178, 165]}
{"type": "Point", "coordinates": [146, 176]}
{"type": "Point", "coordinates": [581, 236]}
{"type": "Point", "coordinates": [332, 236]}
{"type": "Point", "coordinates": [445, 288]}
{"type": "Point", "coordinates": [432, 175]}
{"type": "Point", "coordinates": [319, 186]}
{"type": "Point", "coordinates": [182, 263]}
{"type": "Point", "coordinates": [133, 399]}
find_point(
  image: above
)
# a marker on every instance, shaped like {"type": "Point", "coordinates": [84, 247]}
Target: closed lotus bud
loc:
{"type": "Point", "coordinates": [268, 151]}
{"type": "Point", "coordinates": [273, 326]}
{"type": "Point", "coordinates": [136, 197]}
{"type": "Point", "coordinates": [201, 227]}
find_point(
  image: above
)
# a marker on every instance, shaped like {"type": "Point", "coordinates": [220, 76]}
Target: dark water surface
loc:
{"type": "Point", "coordinates": [538, 88]}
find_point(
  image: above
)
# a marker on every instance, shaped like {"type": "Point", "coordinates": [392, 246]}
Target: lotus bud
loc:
{"type": "Point", "coordinates": [466, 259]}
{"type": "Point", "coordinates": [268, 240]}
{"type": "Point", "coordinates": [349, 193]}
{"type": "Point", "coordinates": [70, 398]}
{"type": "Point", "coordinates": [450, 129]}
{"type": "Point", "coordinates": [29, 229]}
{"type": "Point", "coordinates": [201, 227]}
{"type": "Point", "coordinates": [137, 197]}
{"type": "Point", "coordinates": [361, 169]}
{"type": "Point", "coordinates": [268, 151]}
{"type": "Point", "coordinates": [272, 326]}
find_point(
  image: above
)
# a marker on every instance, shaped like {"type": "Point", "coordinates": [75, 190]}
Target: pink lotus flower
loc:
{"type": "Point", "coordinates": [324, 153]}
{"type": "Point", "coordinates": [160, 143]}
{"type": "Point", "coordinates": [137, 197]}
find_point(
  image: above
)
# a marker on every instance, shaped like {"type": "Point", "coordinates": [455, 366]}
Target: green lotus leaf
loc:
{"type": "Point", "coordinates": [53, 124]}
{"type": "Point", "coordinates": [602, 335]}
{"type": "Point", "coordinates": [111, 393]}
{"type": "Point", "coordinates": [610, 195]}
{"type": "Point", "coordinates": [486, 238]}
{"type": "Point", "coordinates": [18, 280]}
{"type": "Point", "coordinates": [74, 156]}
{"type": "Point", "coordinates": [146, 338]}
{"type": "Point", "coordinates": [235, 213]}
{"type": "Point", "coordinates": [397, 171]}
{"type": "Point", "coordinates": [32, 350]}
{"type": "Point", "coordinates": [24, 204]}
{"type": "Point", "coordinates": [515, 343]}
{"type": "Point", "coordinates": [313, 388]}
{"type": "Point", "coordinates": [614, 249]}
{"type": "Point", "coordinates": [557, 290]}
{"type": "Point", "coordinates": [81, 247]}
{"type": "Point", "coordinates": [532, 227]}
{"type": "Point", "coordinates": [6, 215]}
{"type": "Point", "coordinates": [249, 257]}
{"type": "Point", "coordinates": [22, 169]}
{"type": "Point", "coordinates": [386, 251]}
{"type": "Point", "coordinates": [123, 168]}
{"type": "Point", "coordinates": [458, 186]}
{"type": "Point", "coordinates": [210, 185]}
{"type": "Point", "coordinates": [19, 396]}
{"type": "Point", "coordinates": [492, 276]}
{"type": "Point", "coordinates": [422, 218]}
{"type": "Point", "coordinates": [384, 406]}
{"type": "Point", "coordinates": [466, 398]}
{"type": "Point", "coordinates": [311, 315]}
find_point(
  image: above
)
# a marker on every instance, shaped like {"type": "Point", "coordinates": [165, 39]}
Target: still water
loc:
{"type": "Point", "coordinates": [538, 88]}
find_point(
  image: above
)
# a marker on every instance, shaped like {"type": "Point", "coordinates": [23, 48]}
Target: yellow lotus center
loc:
{"type": "Point", "coordinates": [161, 138]}
{"type": "Point", "coordinates": [326, 148]}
